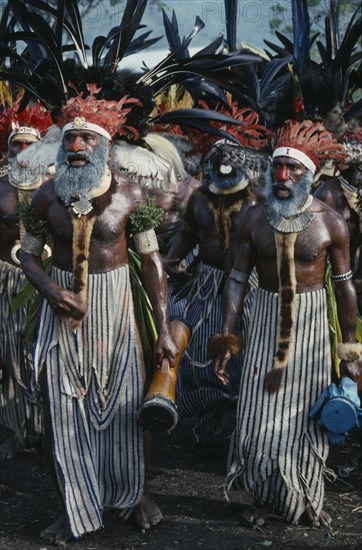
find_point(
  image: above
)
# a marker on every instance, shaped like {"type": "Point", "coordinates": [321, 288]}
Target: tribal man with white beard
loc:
{"type": "Point", "coordinates": [213, 215]}
{"type": "Point", "coordinates": [88, 354]}
{"type": "Point", "coordinates": [277, 453]}
{"type": "Point", "coordinates": [18, 416]}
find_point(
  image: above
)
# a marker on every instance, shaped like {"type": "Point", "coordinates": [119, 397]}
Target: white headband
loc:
{"type": "Point", "coordinates": [79, 123]}
{"type": "Point", "coordinates": [295, 154]}
{"type": "Point", "coordinates": [24, 130]}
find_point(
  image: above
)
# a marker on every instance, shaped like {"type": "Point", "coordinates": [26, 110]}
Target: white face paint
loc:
{"type": "Point", "coordinates": [226, 165]}
{"type": "Point", "coordinates": [224, 169]}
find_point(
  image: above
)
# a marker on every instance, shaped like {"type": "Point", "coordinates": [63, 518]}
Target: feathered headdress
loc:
{"type": "Point", "coordinates": [34, 120]}
{"type": "Point", "coordinates": [41, 68]}
{"type": "Point", "coordinates": [353, 146]}
{"type": "Point", "coordinates": [248, 134]}
{"type": "Point", "coordinates": [90, 112]}
{"type": "Point", "coordinates": [43, 73]}
{"type": "Point", "coordinates": [251, 137]}
{"type": "Point", "coordinates": [307, 140]}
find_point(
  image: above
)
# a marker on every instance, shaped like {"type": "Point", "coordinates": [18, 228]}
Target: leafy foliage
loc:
{"type": "Point", "coordinates": [146, 216]}
{"type": "Point", "coordinates": [143, 312]}
{"type": "Point", "coordinates": [33, 225]}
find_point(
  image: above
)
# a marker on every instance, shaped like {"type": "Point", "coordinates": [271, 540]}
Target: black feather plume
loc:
{"type": "Point", "coordinates": [231, 12]}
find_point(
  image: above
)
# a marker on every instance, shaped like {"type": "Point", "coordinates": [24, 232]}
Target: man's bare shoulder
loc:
{"type": "Point", "coordinates": [4, 183]}
{"type": "Point", "coordinates": [318, 205]}
{"type": "Point", "coordinates": [198, 198]}
{"type": "Point", "coordinates": [201, 191]}
{"type": "Point", "coordinates": [328, 188]}
{"type": "Point", "coordinates": [332, 219]}
{"type": "Point", "coordinates": [255, 210]}
{"type": "Point", "coordinates": [252, 216]}
{"type": "Point", "coordinates": [128, 187]}
{"type": "Point", "coordinates": [44, 196]}
{"type": "Point", "coordinates": [47, 189]}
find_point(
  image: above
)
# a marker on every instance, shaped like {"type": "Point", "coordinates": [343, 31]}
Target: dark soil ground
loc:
{"type": "Point", "coordinates": [186, 479]}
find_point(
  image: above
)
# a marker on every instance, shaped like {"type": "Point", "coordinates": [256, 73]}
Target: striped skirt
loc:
{"type": "Point", "coordinates": [17, 413]}
{"type": "Point", "coordinates": [177, 304]}
{"type": "Point", "coordinates": [95, 383]}
{"type": "Point", "coordinates": [277, 453]}
{"type": "Point", "coordinates": [198, 389]}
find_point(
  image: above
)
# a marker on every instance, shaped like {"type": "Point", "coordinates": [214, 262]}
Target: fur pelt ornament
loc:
{"type": "Point", "coordinates": [219, 344]}
{"type": "Point", "coordinates": [285, 243]}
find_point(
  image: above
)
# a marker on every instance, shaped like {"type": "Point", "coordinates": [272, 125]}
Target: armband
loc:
{"type": "Point", "coordinates": [146, 241]}
{"type": "Point", "coordinates": [146, 216]}
{"type": "Point", "coordinates": [238, 276]}
{"type": "Point", "coordinates": [32, 244]}
{"type": "Point", "coordinates": [32, 223]}
{"type": "Point", "coordinates": [350, 351]}
{"type": "Point", "coordinates": [341, 278]}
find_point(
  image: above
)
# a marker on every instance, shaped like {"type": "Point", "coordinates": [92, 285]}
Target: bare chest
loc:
{"type": "Point", "coordinates": [309, 245]}
{"type": "Point", "coordinates": [212, 216]}
{"type": "Point", "coordinates": [9, 203]}
{"type": "Point", "coordinates": [109, 224]}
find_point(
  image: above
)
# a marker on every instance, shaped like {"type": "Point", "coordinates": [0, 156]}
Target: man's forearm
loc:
{"type": "Point", "coordinates": [181, 245]}
{"type": "Point", "coordinates": [346, 299]}
{"type": "Point", "coordinates": [232, 305]}
{"type": "Point", "coordinates": [155, 284]}
{"type": "Point", "coordinates": [33, 268]}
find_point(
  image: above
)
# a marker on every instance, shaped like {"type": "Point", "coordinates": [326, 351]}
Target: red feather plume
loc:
{"type": "Point", "coordinates": [34, 116]}
{"type": "Point", "coordinates": [312, 139]}
{"type": "Point", "coordinates": [110, 115]}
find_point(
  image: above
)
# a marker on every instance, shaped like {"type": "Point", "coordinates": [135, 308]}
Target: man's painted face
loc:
{"type": "Point", "coordinates": [226, 165]}
{"type": "Point", "coordinates": [81, 164]}
{"type": "Point", "coordinates": [79, 145]}
{"type": "Point", "coordinates": [286, 173]}
{"type": "Point", "coordinates": [288, 183]}
{"type": "Point", "coordinates": [18, 144]}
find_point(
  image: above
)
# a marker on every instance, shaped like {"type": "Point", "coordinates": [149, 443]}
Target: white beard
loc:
{"type": "Point", "coordinates": [299, 194]}
{"type": "Point", "coordinates": [75, 182]}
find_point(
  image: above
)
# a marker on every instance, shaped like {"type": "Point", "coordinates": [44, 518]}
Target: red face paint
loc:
{"type": "Point", "coordinates": [282, 173]}
{"type": "Point", "coordinates": [76, 145]}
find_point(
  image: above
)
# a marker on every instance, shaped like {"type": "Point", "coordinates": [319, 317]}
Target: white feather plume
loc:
{"type": "Point", "coordinates": [37, 162]}
{"type": "Point", "coordinates": [42, 153]}
{"type": "Point", "coordinates": [150, 170]}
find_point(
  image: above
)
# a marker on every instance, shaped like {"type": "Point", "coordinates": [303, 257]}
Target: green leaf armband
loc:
{"type": "Point", "coordinates": [31, 221]}
{"type": "Point", "coordinates": [146, 241]}
{"type": "Point", "coordinates": [146, 216]}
